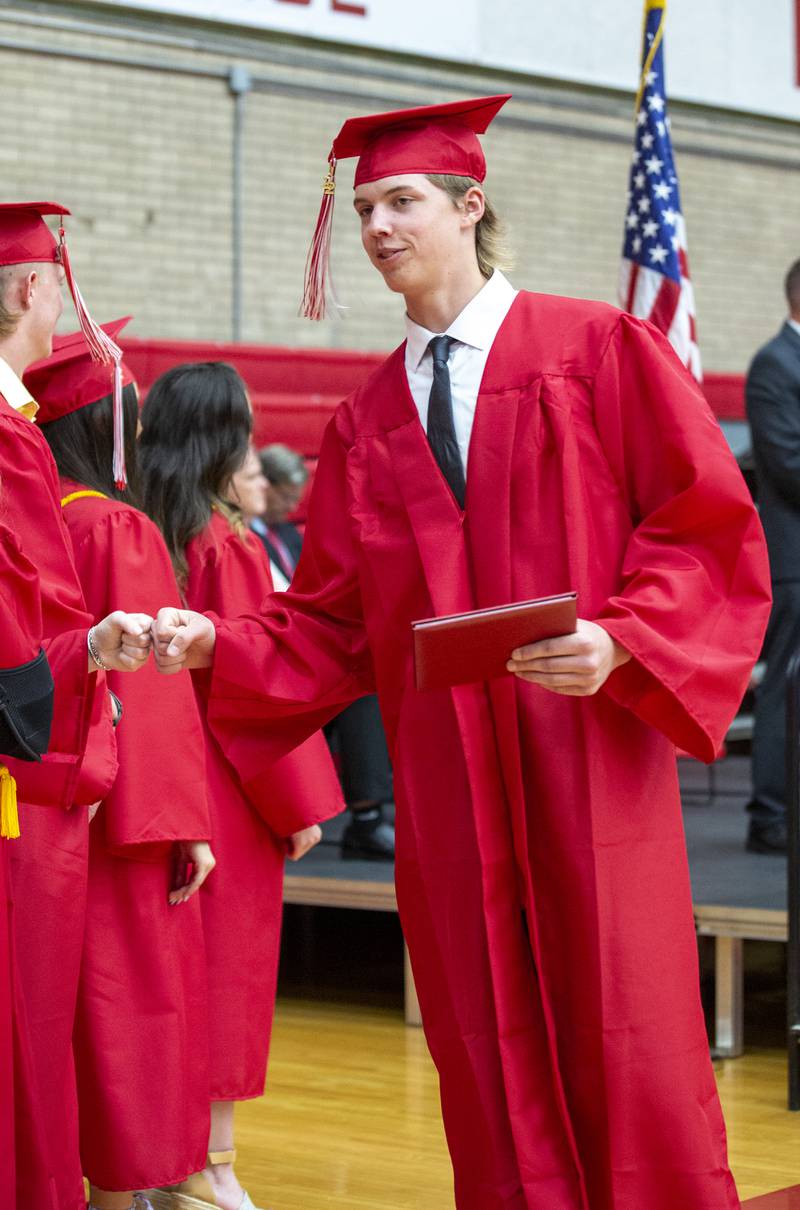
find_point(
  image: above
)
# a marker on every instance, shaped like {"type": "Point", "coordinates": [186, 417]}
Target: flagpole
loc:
{"type": "Point", "coordinates": [649, 5]}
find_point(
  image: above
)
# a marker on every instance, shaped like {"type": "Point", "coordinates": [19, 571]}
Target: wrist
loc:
{"type": "Point", "coordinates": [94, 650]}
{"type": "Point", "coordinates": [621, 655]}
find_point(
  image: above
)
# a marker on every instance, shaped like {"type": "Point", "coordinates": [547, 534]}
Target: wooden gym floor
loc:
{"type": "Point", "coordinates": [351, 1119]}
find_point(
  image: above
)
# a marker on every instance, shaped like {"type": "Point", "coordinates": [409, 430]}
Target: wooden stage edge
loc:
{"type": "Point", "coordinates": [729, 926]}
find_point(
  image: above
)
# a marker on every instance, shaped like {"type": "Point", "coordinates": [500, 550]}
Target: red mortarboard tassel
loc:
{"type": "Point", "coordinates": [317, 279]}
{"type": "Point", "coordinates": [104, 350]}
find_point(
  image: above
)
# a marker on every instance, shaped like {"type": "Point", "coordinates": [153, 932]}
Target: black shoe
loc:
{"type": "Point", "coordinates": [770, 838]}
{"type": "Point", "coordinates": [370, 838]}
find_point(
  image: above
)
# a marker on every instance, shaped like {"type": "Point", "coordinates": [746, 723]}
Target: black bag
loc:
{"type": "Point", "coordinates": [26, 709]}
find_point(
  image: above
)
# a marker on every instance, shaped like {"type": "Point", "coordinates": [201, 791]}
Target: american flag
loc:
{"type": "Point", "coordinates": [654, 276]}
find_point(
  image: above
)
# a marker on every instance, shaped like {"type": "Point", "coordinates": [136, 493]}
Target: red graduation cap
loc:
{"type": "Point", "coordinates": [429, 139]}
{"type": "Point", "coordinates": [25, 237]}
{"type": "Point", "coordinates": [70, 378]}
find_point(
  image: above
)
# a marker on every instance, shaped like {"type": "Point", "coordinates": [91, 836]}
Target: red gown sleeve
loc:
{"type": "Point", "coordinates": [695, 599]}
{"type": "Point", "coordinates": [29, 505]}
{"type": "Point", "coordinates": [21, 635]}
{"type": "Point", "coordinates": [290, 790]}
{"type": "Point", "coordinates": [159, 795]}
{"type": "Point", "coordinates": [303, 656]}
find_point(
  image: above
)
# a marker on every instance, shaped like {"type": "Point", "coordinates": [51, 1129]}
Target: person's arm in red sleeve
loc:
{"type": "Point", "coordinates": [300, 788]}
{"type": "Point", "coordinates": [695, 597]}
{"type": "Point", "coordinates": [154, 801]}
{"type": "Point", "coordinates": [26, 685]}
{"type": "Point", "coordinates": [281, 673]}
{"type": "Point", "coordinates": [21, 637]}
{"type": "Point", "coordinates": [29, 506]}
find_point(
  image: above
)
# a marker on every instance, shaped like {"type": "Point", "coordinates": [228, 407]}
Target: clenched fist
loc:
{"type": "Point", "coordinates": [183, 639]}
{"type": "Point", "coordinates": [122, 641]}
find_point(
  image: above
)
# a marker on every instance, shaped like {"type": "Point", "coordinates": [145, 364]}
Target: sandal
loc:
{"type": "Point", "coordinates": [140, 1202]}
{"type": "Point", "coordinates": [196, 1193]}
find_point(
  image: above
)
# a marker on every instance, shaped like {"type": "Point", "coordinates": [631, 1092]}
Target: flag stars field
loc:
{"type": "Point", "coordinates": [654, 276]}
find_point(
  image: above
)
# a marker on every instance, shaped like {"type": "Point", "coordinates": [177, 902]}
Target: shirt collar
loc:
{"type": "Point", "coordinates": [15, 392]}
{"type": "Point", "coordinates": [476, 325]}
{"type": "Point", "coordinates": [794, 323]}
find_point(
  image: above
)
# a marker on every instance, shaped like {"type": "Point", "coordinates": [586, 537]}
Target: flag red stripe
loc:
{"type": "Point", "coordinates": [666, 305]}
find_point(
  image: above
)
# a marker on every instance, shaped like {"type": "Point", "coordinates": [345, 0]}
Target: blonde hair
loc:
{"type": "Point", "coordinates": [232, 515]}
{"type": "Point", "coordinates": [8, 318]}
{"type": "Point", "coordinates": [491, 238]}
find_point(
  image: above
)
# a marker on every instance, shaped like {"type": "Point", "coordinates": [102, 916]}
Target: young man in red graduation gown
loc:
{"type": "Point", "coordinates": [48, 861]}
{"type": "Point", "coordinates": [516, 446]}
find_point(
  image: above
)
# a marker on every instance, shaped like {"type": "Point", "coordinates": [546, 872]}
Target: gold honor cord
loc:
{"type": "Point", "coordinates": [83, 496]}
{"type": "Point", "coordinates": [9, 817]}
{"type": "Point", "coordinates": [653, 51]}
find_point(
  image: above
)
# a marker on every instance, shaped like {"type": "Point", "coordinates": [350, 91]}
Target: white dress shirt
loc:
{"type": "Point", "coordinates": [793, 323]}
{"type": "Point", "coordinates": [15, 393]}
{"type": "Point", "coordinates": [474, 331]}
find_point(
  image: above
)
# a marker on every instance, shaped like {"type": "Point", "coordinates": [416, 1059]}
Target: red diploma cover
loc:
{"type": "Point", "coordinates": [476, 646]}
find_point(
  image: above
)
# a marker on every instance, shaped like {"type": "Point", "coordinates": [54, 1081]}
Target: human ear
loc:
{"type": "Point", "coordinates": [474, 204]}
{"type": "Point", "coordinates": [27, 288]}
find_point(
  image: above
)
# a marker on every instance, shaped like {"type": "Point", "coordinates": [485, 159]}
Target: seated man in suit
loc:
{"type": "Point", "coordinates": [357, 733]}
{"type": "Point", "coordinates": [773, 409]}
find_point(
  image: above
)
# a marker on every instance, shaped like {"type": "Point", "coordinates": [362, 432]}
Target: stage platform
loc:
{"type": "Point", "coordinates": [737, 895]}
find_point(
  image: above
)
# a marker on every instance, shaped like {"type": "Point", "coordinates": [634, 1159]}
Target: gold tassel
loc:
{"type": "Point", "coordinates": [9, 816]}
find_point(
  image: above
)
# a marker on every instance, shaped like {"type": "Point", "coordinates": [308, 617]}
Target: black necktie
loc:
{"type": "Point", "coordinates": [441, 430]}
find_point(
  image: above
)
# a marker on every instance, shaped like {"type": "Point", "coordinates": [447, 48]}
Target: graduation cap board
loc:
{"type": "Point", "coordinates": [70, 379]}
{"type": "Point", "coordinates": [440, 139]}
{"type": "Point", "coordinates": [25, 238]}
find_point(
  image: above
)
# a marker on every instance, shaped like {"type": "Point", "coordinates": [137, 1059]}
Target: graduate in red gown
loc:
{"type": "Point", "coordinates": [48, 861]}
{"type": "Point", "coordinates": [20, 644]}
{"type": "Point", "coordinates": [141, 1053]}
{"type": "Point", "coordinates": [196, 426]}
{"type": "Point", "coordinates": [515, 446]}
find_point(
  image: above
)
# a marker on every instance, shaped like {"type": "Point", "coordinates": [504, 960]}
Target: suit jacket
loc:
{"type": "Point", "coordinates": [773, 409]}
{"type": "Point", "coordinates": [290, 536]}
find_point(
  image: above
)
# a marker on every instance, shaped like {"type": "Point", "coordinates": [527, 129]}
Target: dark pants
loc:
{"type": "Point", "coordinates": [357, 735]}
{"type": "Point", "coordinates": [769, 737]}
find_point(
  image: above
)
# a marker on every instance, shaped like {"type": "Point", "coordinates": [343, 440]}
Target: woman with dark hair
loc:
{"type": "Point", "coordinates": [196, 426]}
{"type": "Point", "coordinates": [140, 1028]}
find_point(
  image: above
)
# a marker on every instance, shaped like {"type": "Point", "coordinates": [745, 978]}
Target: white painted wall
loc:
{"type": "Point", "coordinates": [737, 54]}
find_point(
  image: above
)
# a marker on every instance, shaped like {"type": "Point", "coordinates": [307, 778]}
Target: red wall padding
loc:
{"type": "Point", "coordinates": [295, 391]}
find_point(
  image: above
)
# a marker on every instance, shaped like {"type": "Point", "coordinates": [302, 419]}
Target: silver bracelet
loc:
{"type": "Point", "coordinates": [94, 653]}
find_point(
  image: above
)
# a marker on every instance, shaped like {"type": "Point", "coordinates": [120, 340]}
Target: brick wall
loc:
{"type": "Point", "coordinates": [142, 151]}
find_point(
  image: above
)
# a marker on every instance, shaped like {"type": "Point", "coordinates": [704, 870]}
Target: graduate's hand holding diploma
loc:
{"type": "Point", "coordinates": [576, 665]}
{"type": "Point", "coordinates": [182, 639]}
{"type": "Point", "coordinates": [121, 642]}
